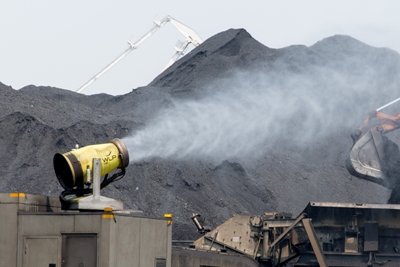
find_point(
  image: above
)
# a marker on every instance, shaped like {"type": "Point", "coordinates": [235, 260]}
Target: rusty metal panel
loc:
{"type": "Point", "coordinates": [235, 234]}
{"type": "Point", "coordinates": [308, 227]}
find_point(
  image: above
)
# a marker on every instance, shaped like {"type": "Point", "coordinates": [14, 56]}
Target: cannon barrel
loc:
{"type": "Point", "coordinates": [72, 168]}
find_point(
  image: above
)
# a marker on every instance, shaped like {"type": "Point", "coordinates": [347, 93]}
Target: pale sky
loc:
{"type": "Point", "coordinates": [64, 43]}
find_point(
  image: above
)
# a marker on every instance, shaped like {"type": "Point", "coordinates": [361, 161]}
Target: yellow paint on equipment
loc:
{"type": "Point", "coordinates": [169, 217]}
{"type": "Point", "coordinates": [17, 195]}
{"type": "Point", "coordinates": [71, 167]}
{"type": "Point", "coordinates": [108, 214]}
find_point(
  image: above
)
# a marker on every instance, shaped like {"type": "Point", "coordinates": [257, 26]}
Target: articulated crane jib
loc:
{"type": "Point", "coordinates": [190, 38]}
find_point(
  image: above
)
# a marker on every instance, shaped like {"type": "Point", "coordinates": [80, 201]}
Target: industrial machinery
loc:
{"type": "Point", "coordinates": [83, 172]}
{"type": "Point", "coordinates": [323, 234]}
{"type": "Point", "coordinates": [373, 156]}
{"type": "Point", "coordinates": [82, 228]}
{"type": "Point", "coordinates": [191, 38]}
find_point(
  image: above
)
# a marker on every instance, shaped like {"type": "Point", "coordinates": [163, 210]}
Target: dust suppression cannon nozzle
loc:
{"type": "Point", "coordinates": [75, 168]}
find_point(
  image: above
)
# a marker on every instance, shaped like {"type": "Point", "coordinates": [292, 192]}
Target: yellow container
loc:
{"type": "Point", "coordinates": [71, 167]}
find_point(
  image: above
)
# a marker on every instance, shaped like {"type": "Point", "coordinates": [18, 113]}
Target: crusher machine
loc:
{"type": "Point", "coordinates": [323, 234]}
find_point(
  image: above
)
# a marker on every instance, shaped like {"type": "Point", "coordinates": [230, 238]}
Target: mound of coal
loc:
{"type": "Point", "coordinates": [36, 122]}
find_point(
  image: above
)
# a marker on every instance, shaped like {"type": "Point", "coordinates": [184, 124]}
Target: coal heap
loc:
{"type": "Point", "coordinates": [37, 122]}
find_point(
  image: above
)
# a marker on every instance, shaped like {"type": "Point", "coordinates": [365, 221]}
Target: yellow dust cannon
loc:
{"type": "Point", "coordinates": [84, 171]}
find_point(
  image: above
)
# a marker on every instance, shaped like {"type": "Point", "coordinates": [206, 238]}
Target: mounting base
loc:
{"type": "Point", "coordinates": [95, 203]}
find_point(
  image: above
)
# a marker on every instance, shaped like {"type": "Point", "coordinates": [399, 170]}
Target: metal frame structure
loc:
{"type": "Point", "coordinates": [323, 234]}
{"type": "Point", "coordinates": [190, 38]}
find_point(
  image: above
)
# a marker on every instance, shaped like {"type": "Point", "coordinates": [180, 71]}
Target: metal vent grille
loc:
{"type": "Point", "coordinates": [161, 263]}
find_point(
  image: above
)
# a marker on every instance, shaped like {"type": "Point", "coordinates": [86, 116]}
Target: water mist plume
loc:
{"type": "Point", "coordinates": [244, 115]}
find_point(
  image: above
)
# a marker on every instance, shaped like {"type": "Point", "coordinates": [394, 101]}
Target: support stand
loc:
{"type": "Point", "coordinates": [95, 201]}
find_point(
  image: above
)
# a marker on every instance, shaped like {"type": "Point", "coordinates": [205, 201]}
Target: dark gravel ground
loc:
{"type": "Point", "coordinates": [36, 122]}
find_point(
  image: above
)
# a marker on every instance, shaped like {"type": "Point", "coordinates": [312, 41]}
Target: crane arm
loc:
{"type": "Point", "coordinates": [190, 35]}
{"type": "Point", "coordinates": [388, 104]}
{"type": "Point", "coordinates": [132, 46]}
{"type": "Point", "coordinates": [186, 31]}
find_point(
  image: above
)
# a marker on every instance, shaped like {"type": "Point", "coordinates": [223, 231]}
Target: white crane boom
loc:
{"type": "Point", "coordinates": [388, 104]}
{"type": "Point", "coordinates": [180, 50]}
{"type": "Point", "coordinates": [190, 35]}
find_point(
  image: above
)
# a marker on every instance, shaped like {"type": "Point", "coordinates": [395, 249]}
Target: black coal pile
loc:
{"type": "Point", "coordinates": [333, 85]}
